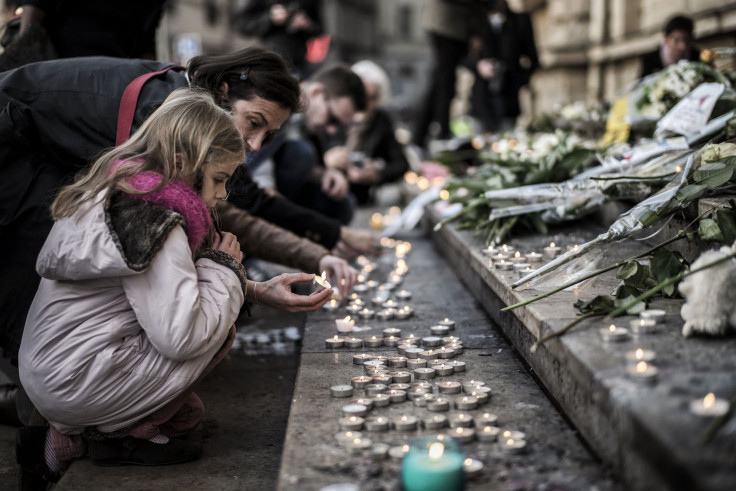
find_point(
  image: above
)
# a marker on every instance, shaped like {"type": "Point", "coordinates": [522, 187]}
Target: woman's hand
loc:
{"type": "Point", "coordinates": [339, 272]}
{"type": "Point", "coordinates": [354, 242]}
{"type": "Point", "coordinates": [228, 243]}
{"type": "Point", "coordinates": [335, 184]}
{"type": "Point", "coordinates": [277, 293]}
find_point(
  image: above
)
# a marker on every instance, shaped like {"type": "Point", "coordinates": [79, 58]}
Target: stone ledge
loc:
{"type": "Point", "coordinates": [646, 434]}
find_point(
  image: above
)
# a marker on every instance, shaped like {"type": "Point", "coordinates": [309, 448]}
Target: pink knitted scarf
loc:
{"type": "Point", "coordinates": [179, 197]}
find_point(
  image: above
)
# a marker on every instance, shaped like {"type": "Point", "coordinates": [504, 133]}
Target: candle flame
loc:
{"type": "Point", "coordinates": [552, 244]}
{"type": "Point", "coordinates": [356, 441]}
{"type": "Point", "coordinates": [403, 418]}
{"type": "Point", "coordinates": [505, 248]}
{"type": "Point", "coordinates": [335, 338]}
{"type": "Point", "coordinates": [436, 450]}
{"type": "Point", "coordinates": [459, 431]}
{"type": "Point", "coordinates": [641, 367]}
{"type": "Point", "coordinates": [324, 275]}
{"type": "Point", "coordinates": [347, 319]}
{"type": "Point", "coordinates": [518, 254]}
{"type": "Point", "coordinates": [510, 442]}
{"type": "Point", "coordinates": [506, 434]}
{"type": "Point", "coordinates": [639, 354]}
{"type": "Point", "coordinates": [405, 448]}
{"type": "Point", "coordinates": [487, 429]}
{"type": "Point", "coordinates": [678, 169]}
{"type": "Point", "coordinates": [709, 400]}
{"type": "Point", "coordinates": [352, 419]}
{"type": "Point", "coordinates": [612, 328]}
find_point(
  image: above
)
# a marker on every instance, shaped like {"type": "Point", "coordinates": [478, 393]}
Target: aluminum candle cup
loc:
{"type": "Point", "coordinates": [444, 370]}
{"type": "Point", "coordinates": [655, 315]}
{"type": "Point", "coordinates": [335, 342]}
{"type": "Point", "coordinates": [373, 342]}
{"type": "Point", "coordinates": [470, 385]}
{"type": "Point", "coordinates": [517, 258]}
{"type": "Point", "coordinates": [405, 423]}
{"type": "Point", "coordinates": [463, 420]}
{"type": "Point", "coordinates": [351, 423]}
{"type": "Point", "coordinates": [445, 352]}
{"type": "Point", "coordinates": [375, 362]}
{"type": "Point", "coordinates": [404, 312]}
{"type": "Point", "coordinates": [376, 423]}
{"type": "Point", "coordinates": [643, 373]}
{"type": "Point", "coordinates": [424, 373]}
{"type": "Point", "coordinates": [366, 314]}
{"type": "Point", "coordinates": [399, 386]}
{"type": "Point", "coordinates": [643, 326]}
{"type": "Point", "coordinates": [371, 371]}
{"type": "Point", "coordinates": [412, 339]}
{"type": "Point", "coordinates": [379, 450]}
{"type": "Point", "coordinates": [358, 445]}
{"type": "Point", "coordinates": [439, 330]}
{"type": "Point", "coordinates": [344, 436]}
{"type": "Point", "coordinates": [403, 295]}
{"type": "Point", "coordinates": [516, 435]}
{"type": "Point", "coordinates": [353, 343]}
{"type": "Point", "coordinates": [361, 358]}
{"type": "Point", "coordinates": [341, 390]}
{"type": "Point", "coordinates": [360, 288]}
{"type": "Point", "coordinates": [435, 422]}
{"type": "Point", "coordinates": [472, 467]}
{"type": "Point", "coordinates": [373, 389]}
{"type": "Point", "coordinates": [422, 384]}
{"type": "Point", "coordinates": [396, 395]}
{"type": "Point", "coordinates": [482, 397]}
{"type": "Point", "coordinates": [391, 331]}
{"type": "Point", "coordinates": [385, 314]}
{"type": "Point", "coordinates": [466, 402]}
{"type": "Point", "coordinates": [552, 251]}
{"type": "Point", "coordinates": [533, 257]}
{"type": "Point", "coordinates": [361, 381]}
{"type": "Point", "coordinates": [354, 410]}
{"type": "Point", "coordinates": [487, 433]}
{"type": "Point", "coordinates": [438, 404]}
{"type": "Point", "coordinates": [512, 446]}
{"type": "Point", "coordinates": [401, 349]}
{"type": "Point", "coordinates": [398, 453]}
{"type": "Point", "coordinates": [416, 363]}
{"type": "Point", "coordinates": [434, 363]}
{"type": "Point", "coordinates": [521, 266]}
{"type": "Point", "coordinates": [463, 435]}
{"type": "Point", "coordinates": [365, 401]}
{"type": "Point", "coordinates": [503, 265]}
{"type": "Point", "coordinates": [497, 258]}
{"type": "Point", "coordinates": [449, 387]}
{"type": "Point", "coordinates": [382, 378]}
{"type": "Point", "coordinates": [401, 377]}
{"type": "Point", "coordinates": [381, 400]}
{"type": "Point", "coordinates": [451, 340]}
{"type": "Point", "coordinates": [391, 341]}
{"type": "Point", "coordinates": [320, 282]}
{"type": "Point", "coordinates": [431, 341]}
{"type": "Point", "coordinates": [486, 419]}
{"type": "Point", "coordinates": [397, 361]}
{"type": "Point", "coordinates": [429, 354]}
{"type": "Point", "coordinates": [353, 309]}
{"type": "Point", "coordinates": [457, 366]}
{"type": "Point", "coordinates": [413, 394]}
{"type": "Point", "coordinates": [412, 353]}
{"type": "Point", "coordinates": [332, 305]}
{"type": "Point", "coordinates": [640, 354]}
{"type": "Point", "coordinates": [613, 334]}
{"type": "Point", "coordinates": [710, 406]}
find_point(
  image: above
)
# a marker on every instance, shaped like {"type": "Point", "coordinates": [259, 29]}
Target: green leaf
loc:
{"type": "Point", "coordinates": [629, 270]}
{"type": "Point", "coordinates": [634, 309]}
{"type": "Point", "coordinates": [691, 192]}
{"type": "Point", "coordinates": [726, 220]}
{"type": "Point", "coordinates": [667, 264]}
{"type": "Point", "coordinates": [649, 218]}
{"type": "Point", "coordinates": [602, 304]}
{"type": "Point", "coordinates": [713, 175]}
{"type": "Point", "coordinates": [708, 230]}
{"type": "Point", "coordinates": [623, 291]}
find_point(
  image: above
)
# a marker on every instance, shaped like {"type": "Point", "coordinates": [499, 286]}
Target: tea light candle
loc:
{"type": "Point", "coordinates": [643, 326]}
{"type": "Point", "coordinates": [385, 314]}
{"type": "Point", "coordinates": [391, 341]}
{"type": "Point", "coordinates": [655, 315]}
{"type": "Point", "coordinates": [378, 299]}
{"type": "Point", "coordinates": [371, 284]}
{"type": "Point", "coordinates": [466, 402]}
{"type": "Point", "coordinates": [463, 420]}
{"type": "Point", "coordinates": [332, 305]}
{"type": "Point", "coordinates": [347, 436]}
{"type": "Point", "coordinates": [439, 330]}
{"type": "Point", "coordinates": [482, 397]}
{"type": "Point", "coordinates": [613, 334]}
{"type": "Point", "coordinates": [353, 343]}
{"type": "Point", "coordinates": [360, 288]}
{"type": "Point", "coordinates": [335, 342]}
{"type": "Point", "coordinates": [396, 395]}
{"type": "Point", "coordinates": [709, 406]}
{"type": "Point", "coordinates": [446, 352]}
{"type": "Point", "coordinates": [381, 400]}
{"type": "Point", "coordinates": [521, 266]}
{"type": "Point", "coordinates": [382, 378]}
{"type": "Point", "coordinates": [416, 363]}
{"type": "Point", "coordinates": [373, 342]}
{"type": "Point", "coordinates": [354, 410]}
{"type": "Point", "coordinates": [379, 450]}
{"type": "Point", "coordinates": [345, 325]}
{"type": "Point", "coordinates": [341, 390]}
{"type": "Point", "coordinates": [374, 389]}
{"type": "Point", "coordinates": [642, 373]}
{"type": "Point", "coordinates": [470, 385]}
{"type": "Point", "coordinates": [401, 348]}
{"type": "Point", "coordinates": [486, 419]}
{"type": "Point", "coordinates": [451, 340]}
{"type": "Point", "coordinates": [512, 446]}
{"type": "Point", "coordinates": [405, 423]}
{"type": "Point", "coordinates": [429, 354]}
{"type": "Point", "coordinates": [444, 370]}
{"type": "Point", "coordinates": [447, 322]}
{"type": "Point", "coordinates": [353, 309]}
{"type": "Point", "coordinates": [457, 366]}
{"type": "Point", "coordinates": [361, 358]}
{"type": "Point", "coordinates": [376, 423]}
{"type": "Point", "coordinates": [431, 341]}
{"type": "Point", "coordinates": [414, 392]}
{"type": "Point", "coordinates": [438, 404]}
{"type": "Point", "coordinates": [397, 361]}
{"type": "Point", "coordinates": [399, 386]}
{"type": "Point", "coordinates": [503, 265]}
{"type": "Point", "coordinates": [516, 435]}
{"type": "Point", "coordinates": [487, 433]}
{"type": "Point", "coordinates": [366, 313]}
{"type": "Point", "coordinates": [398, 453]}
{"type": "Point", "coordinates": [361, 381]}
{"type": "Point", "coordinates": [525, 271]}
{"type": "Point", "coordinates": [640, 354]}
{"type": "Point", "coordinates": [351, 423]}
{"type": "Point", "coordinates": [517, 258]}
{"type": "Point", "coordinates": [449, 387]}
{"type": "Point", "coordinates": [423, 399]}
{"type": "Point", "coordinates": [489, 251]}
{"type": "Point", "coordinates": [506, 249]}
{"type": "Point", "coordinates": [472, 467]}
{"type": "Point", "coordinates": [412, 353]}
{"type": "Point", "coordinates": [424, 373]}
{"type": "Point", "coordinates": [403, 295]}
{"type": "Point", "coordinates": [552, 251]}
{"type": "Point", "coordinates": [401, 377]}
{"type": "Point", "coordinates": [375, 362]}
{"type": "Point", "coordinates": [320, 282]}
{"type": "Point", "coordinates": [463, 435]}
{"type": "Point", "coordinates": [533, 257]}
{"type": "Point", "coordinates": [391, 332]}
{"type": "Point", "coordinates": [435, 422]}
{"type": "Point", "coordinates": [497, 258]}
{"type": "Point", "coordinates": [358, 445]}
{"type": "Point", "coordinates": [364, 401]}
{"type": "Point", "coordinates": [404, 312]}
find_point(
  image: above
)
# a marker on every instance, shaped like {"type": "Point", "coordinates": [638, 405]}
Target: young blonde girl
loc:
{"type": "Point", "coordinates": [138, 296]}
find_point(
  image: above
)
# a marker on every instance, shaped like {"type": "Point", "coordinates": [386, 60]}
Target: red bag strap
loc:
{"type": "Point", "coordinates": [129, 101]}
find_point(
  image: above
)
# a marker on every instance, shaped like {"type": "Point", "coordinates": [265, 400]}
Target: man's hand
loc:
{"type": "Point", "coordinates": [339, 272]}
{"type": "Point", "coordinates": [277, 293]}
{"type": "Point", "coordinates": [335, 184]}
{"type": "Point", "coordinates": [354, 242]}
{"type": "Point", "coordinates": [368, 174]}
{"type": "Point", "coordinates": [337, 158]}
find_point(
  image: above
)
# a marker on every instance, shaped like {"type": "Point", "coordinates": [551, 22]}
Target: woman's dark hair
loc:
{"type": "Point", "coordinates": [340, 81]}
{"type": "Point", "coordinates": [252, 72]}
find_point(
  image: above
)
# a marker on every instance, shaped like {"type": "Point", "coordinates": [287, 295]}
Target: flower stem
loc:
{"type": "Point", "coordinates": [680, 235]}
{"type": "Point", "coordinates": [672, 279]}
{"type": "Point", "coordinates": [562, 331]}
{"type": "Point", "coordinates": [718, 422]}
{"type": "Point", "coordinates": [636, 178]}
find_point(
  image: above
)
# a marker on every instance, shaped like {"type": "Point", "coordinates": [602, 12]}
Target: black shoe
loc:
{"type": "Point", "coordinates": [34, 474]}
{"type": "Point", "coordinates": [133, 451]}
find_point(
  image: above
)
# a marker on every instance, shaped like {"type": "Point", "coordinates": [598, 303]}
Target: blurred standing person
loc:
{"type": "Point", "coordinates": [448, 23]}
{"type": "Point", "coordinates": [677, 44]}
{"type": "Point", "coordinates": [505, 62]}
{"type": "Point", "coordinates": [370, 155]}
{"type": "Point", "coordinates": [284, 27]}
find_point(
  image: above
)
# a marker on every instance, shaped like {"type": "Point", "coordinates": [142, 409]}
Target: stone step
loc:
{"type": "Point", "coordinates": [313, 458]}
{"type": "Point", "coordinates": [645, 432]}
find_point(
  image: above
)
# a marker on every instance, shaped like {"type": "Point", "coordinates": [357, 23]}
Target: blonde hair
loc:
{"type": "Point", "coordinates": [372, 73]}
{"type": "Point", "coordinates": [187, 132]}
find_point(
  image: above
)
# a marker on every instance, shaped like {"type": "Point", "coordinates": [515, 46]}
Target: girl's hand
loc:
{"type": "Point", "coordinates": [277, 293]}
{"type": "Point", "coordinates": [228, 243]}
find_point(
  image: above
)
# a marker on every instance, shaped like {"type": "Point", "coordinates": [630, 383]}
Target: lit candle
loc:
{"type": "Point", "coordinates": [435, 422]}
{"type": "Point", "coordinates": [457, 366]}
{"type": "Point", "coordinates": [373, 342]}
{"type": "Point", "coordinates": [412, 353]}
{"type": "Point", "coordinates": [449, 387]}
{"type": "Point", "coordinates": [416, 363]}
{"type": "Point", "coordinates": [517, 258]}
{"type": "Point", "coordinates": [398, 452]}
{"type": "Point", "coordinates": [437, 404]}
{"type": "Point", "coordinates": [525, 271]}
{"type": "Point", "coordinates": [640, 354]}
{"type": "Point", "coordinates": [463, 420]}
{"type": "Point", "coordinates": [335, 342]}
{"type": "Point", "coordinates": [439, 330]}
{"type": "Point", "coordinates": [385, 314]}
{"type": "Point", "coordinates": [433, 464]}
{"type": "Point", "coordinates": [470, 385]}
{"type": "Point", "coordinates": [399, 386]}
{"type": "Point", "coordinates": [487, 433]}
{"type": "Point", "coordinates": [347, 436]}
{"type": "Point", "coordinates": [552, 251]}
{"type": "Point", "coordinates": [405, 423]}
{"type": "Point", "coordinates": [513, 446]}
{"type": "Point", "coordinates": [353, 343]}
{"type": "Point", "coordinates": [404, 312]}
{"type": "Point", "coordinates": [354, 410]}
{"type": "Point", "coordinates": [466, 402]}
{"type": "Point", "coordinates": [361, 381]}
{"type": "Point", "coordinates": [364, 401]}
{"type": "Point", "coordinates": [375, 389]}
{"type": "Point", "coordinates": [341, 391]}
{"type": "Point", "coordinates": [503, 265]}
{"type": "Point", "coordinates": [391, 341]}
{"type": "Point", "coordinates": [505, 248]}
{"type": "Point", "coordinates": [353, 309]}
{"type": "Point", "coordinates": [351, 423]}
{"type": "Point", "coordinates": [489, 251]}
{"type": "Point", "coordinates": [381, 400]}
{"type": "Point", "coordinates": [361, 358]}
{"type": "Point", "coordinates": [358, 445]}
{"type": "Point", "coordinates": [360, 288]}
{"type": "Point", "coordinates": [424, 373]}
{"type": "Point", "coordinates": [643, 373]}
{"type": "Point", "coordinates": [463, 435]}
{"type": "Point", "coordinates": [431, 341]}
{"type": "Point", "coordinates": [709, 406]}
{"type": "Point", "coordinates": [401, 349]}
{"type": "Point", "coordinates": [448, 351]}
{"type": "Point", "coordinates": [366, 313]}
{"type": "Point", "coordinates": [429, 354]}
{"type": "Point", "coordinates": [396, 395]}
{"type": "Point", "coordinates": [404, 295]}
{"type": "Point", "coordinates": [513, 434]}
{"type": "Point", "coordinates": [614, 334]}
{"type": "Point", "coordinates": [643, 326]}
{"type": "Point", "coordinates": [415, 393]}
{"type": "Point", "coordinates": [472, 467]}
{"type": "Point", "coordinates": [401, 377]}
{"type": "Point", "coordinates": [320, 282]}
{"type": "Point", "coordinates": [533, 257]}
{"type": "Point", "coordinates": [443, 370]}
{"type": "Point", "coordinates": [521, 266]}
{"type": "Point", "coordinates": [376, 423]}
{"type": "Point", "coordinates": [397, 361]}
{"type": "Point", "coordinates": [482, 397]}
{"type": "Point", "coordinates": [331, 305]}
{"type": "Point", "coordinates": [655, 315]}
{"type": "Point", "coordinates": [345, 325]}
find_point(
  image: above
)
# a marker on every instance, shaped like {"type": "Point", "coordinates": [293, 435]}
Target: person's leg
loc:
{"type": "Point", "coordinates": [449, 53]}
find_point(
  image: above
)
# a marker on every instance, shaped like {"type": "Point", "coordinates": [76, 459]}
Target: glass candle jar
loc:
{"type": "Point", "coordinates": [433, 463]}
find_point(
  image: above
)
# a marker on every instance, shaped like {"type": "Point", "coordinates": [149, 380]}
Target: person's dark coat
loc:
{"type": "Point", "coordinates": [57, 117]}
{"type": "Point", "coordinates": [652, 62]}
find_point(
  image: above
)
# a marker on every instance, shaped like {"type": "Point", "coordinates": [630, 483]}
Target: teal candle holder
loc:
{"type": "Point", "coordinates": [433, 463]}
